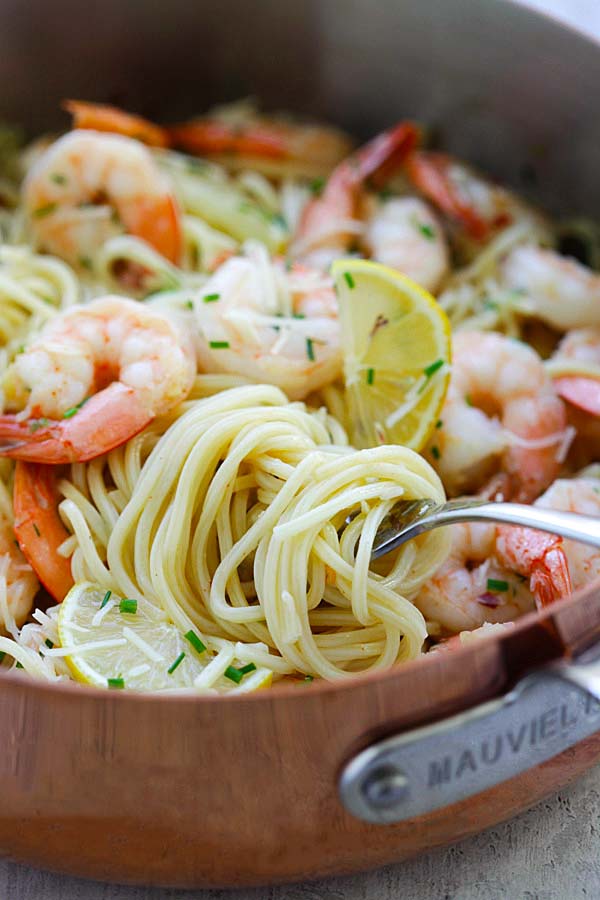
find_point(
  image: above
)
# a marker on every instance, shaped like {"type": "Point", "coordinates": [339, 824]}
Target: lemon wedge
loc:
{"type": "Point", "coordinates": [117, 643]}
{"type": "Point", "coordinates": [397, 352]}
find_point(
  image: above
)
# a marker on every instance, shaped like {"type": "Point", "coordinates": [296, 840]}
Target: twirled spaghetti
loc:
{"type": "Point", "coordinates": [239, 520]}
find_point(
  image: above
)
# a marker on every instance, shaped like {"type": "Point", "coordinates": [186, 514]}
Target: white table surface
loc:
{"type": "Point", "coordinates": [551, 852]}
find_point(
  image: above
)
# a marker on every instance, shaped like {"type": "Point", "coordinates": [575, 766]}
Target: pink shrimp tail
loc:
{"type": "Point", "coordinates": [539, 556]}
{"type": "Point", "coordinates": [376, 161]}
{"type": "Point", "coordinates": [550, 580]}
{"type": "Point", "coordinates": [581, 392]}
{"type": "Point", "coordinates": [107, 420]}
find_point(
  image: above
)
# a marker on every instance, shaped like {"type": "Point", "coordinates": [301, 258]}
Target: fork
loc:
{"type": "Point", "coordinates": [409, 518]}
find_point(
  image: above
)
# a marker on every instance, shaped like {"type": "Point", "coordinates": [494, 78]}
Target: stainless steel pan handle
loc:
{"type": "Point", "coordinates": [424, 769]}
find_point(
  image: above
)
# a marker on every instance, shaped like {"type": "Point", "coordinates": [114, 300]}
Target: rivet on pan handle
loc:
{"type": "Point", "coordinates": [425, 769]}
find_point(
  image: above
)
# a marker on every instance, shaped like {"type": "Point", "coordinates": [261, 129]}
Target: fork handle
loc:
{"type": "Point", "coordinates": [575, 526]}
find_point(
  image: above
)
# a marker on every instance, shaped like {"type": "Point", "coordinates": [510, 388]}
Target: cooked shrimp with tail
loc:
{"type": "Point", "coordinates": [472, 587]}
{"type": "Point", "coordinates": [88, 187]}
{"type": "Point", "coordinates": [501, 417]}
{"type": "Point", "coordinates": [554, 566]}
{"type": "Point", "coordinates": [93, 378]}
{"type": "Point", "coordinates": [330, 222]}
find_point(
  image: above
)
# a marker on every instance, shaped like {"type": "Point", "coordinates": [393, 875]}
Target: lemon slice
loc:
{"type": "Point", "coordinates": [123, 643]}
{"type": "Point", "coordinates": [396, 341]}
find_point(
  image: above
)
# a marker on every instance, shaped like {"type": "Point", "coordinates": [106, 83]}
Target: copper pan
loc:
{"type": "Point", "coordinates": [303, 782]}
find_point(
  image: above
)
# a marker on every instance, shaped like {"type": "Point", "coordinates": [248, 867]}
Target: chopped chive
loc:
{"type": "Point", "coordinates": [233, 674]}
{"type": "Point", "coordinates": [385, 194]}
{"type": "Point", "coordinates": [2, 655]}
{"type": "Point", "coordinates": [85, 262]}
{"type": "Point", "coordinates": [298, 316]}
{"type": "Point", "coordinates": [116, 683]}
{"type": "Point", "coordinates": [69, 413]}
{"type": "Point", "coordinates": [19, 665]}
{"type": "Point", "coordinates": [349, 279]}
{"type": "Point", "coordinates": [195, 641]}
{"type": "Point", "coordinates": [316, 186]}
{"type": "Point", "coordinates": [309, 678]}
{"type": "Point", "coordinates": [210, 298]}
{"type": "Point", "coordinates": [493, 584]}
{"type": "Point", "coordinates": [431, 369]}
{"type": "Point", "coordinates": [49, 643]}
{"type": "Point", "coordinates": [439, 423]}
{"type": "Point", "coordinates": [42, 211]}
{"type": "Point", "coordinates": [249, 667]}
{"type": "Point", "coordinates": [189, 304]}
{"type": "Point", "coordinates": [435, 452]}
{"type": "Point", "coordinates": [106, 599]}
{"type": "Point", "coordinates": [21, 348]}
{"type": "Point", "coordinates": [237, 674]}
{"type": "Point", "coordinates": [310, 350]}
{"type": "Point", "coordinates": [277, 219]}
{"type": "Point", "coordinates": [218, 345]}
{"type": "Point", "coordinates": [128, 606]}
{"type": "Point", "coordinates": [370, 376]}
{"type": "Point", "coordinates": [37, 530]}
{"type": "Point", "coordinates": [426, 230]}
{"type": "Point", "coordinates": [177, 662]}
{"type": "Point", "coordinates": [35, 424]}
{"type": "Point", "coordinates": [468, 400]}
{"type": "Point", "coordinates": [57, 178]}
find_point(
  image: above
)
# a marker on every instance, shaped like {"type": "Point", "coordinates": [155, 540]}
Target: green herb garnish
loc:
{"type": "Point", "coordinates": [42, 211]}
{"type": "Point", "coordinates": [37, 530]}
{"type": "Point", "coordinates": [106, 599]}
{"type": "Point", "coordinates": [2, 655]}
{"type": "Point", "coordinates": [69, 413]}
{"type": "Point", "coordinates": [439, 423]}
{"type": "Point", "coordinates": [426, 230]}
{"type": "Point", "coordinates": [128, 606]}
{"type": "Point", "coordinates": [432, 369]}
{"type": "Point", "coordinates": [435, 452]}
{"type": "Point", "coordinates": [195, 641]}
{"type": "Point", "coordinates": [237, 674]}
{"type": "Point", "coordinates": [189, 304]}
{"type": "Point", "coordinates": [349, 279]}
{"type": "Point", "coordinates": [177, 662]}
{"type": "Point", "coordinates": [370, 376]}
{"type": "Point", "coordinates": [85, 262]}
{"type": "Point", "coordinates": [493, 584]}
{"type": "Point", "coordinates": [317, 184]}
{"type": "Point", "coordinates": [310, 350]}
{"type": "Point", "coordinates": [116, 683]}
{"type": "Point", "coordinates": [218, 345]}
{"type": "Point", "coordinates": [49, 644]}
{"type": "Point", "coordinates": [57, 178]}
{"type": "Point", "coordinates": [210, 298]}
{"type": "Point", "coordinates": [35, 424]}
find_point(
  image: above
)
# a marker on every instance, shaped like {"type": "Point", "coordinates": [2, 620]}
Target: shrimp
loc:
{"type": "Point", "coordinates": [100, 117]}
{"type": "Point", "coordinates": [580, 347]}
{"type": "Point", "coordinates": [403, 232]}
{"type": "Point", "coordinates": [501, 412]}
{"type": "Point", "coordinates": [471, 587]}
{"type": "Point", "coordinates": [478, 206]}
{"type": "Point", "coordinates": [555, 566]}
{"type": "Point", "coordinates": [259, 320]}
{"type": "Point", "coordinates": [88, 187]}
{"type": "Point", "coordinates": [328, 222]}
{"type": "Point", "coordinates": [558, 290]}
{"type": "Point", "coordinates": [238, 136]}
{"type": "Point", "coordinates": [18, 584]}
{"type": "Point", "coordinates": [38, 526]}
{"type": "Point", "coordinates": [94, 377]}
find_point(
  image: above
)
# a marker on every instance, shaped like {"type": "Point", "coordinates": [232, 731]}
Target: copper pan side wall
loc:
{"type": "Point", "coordinates": [190, 792]}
